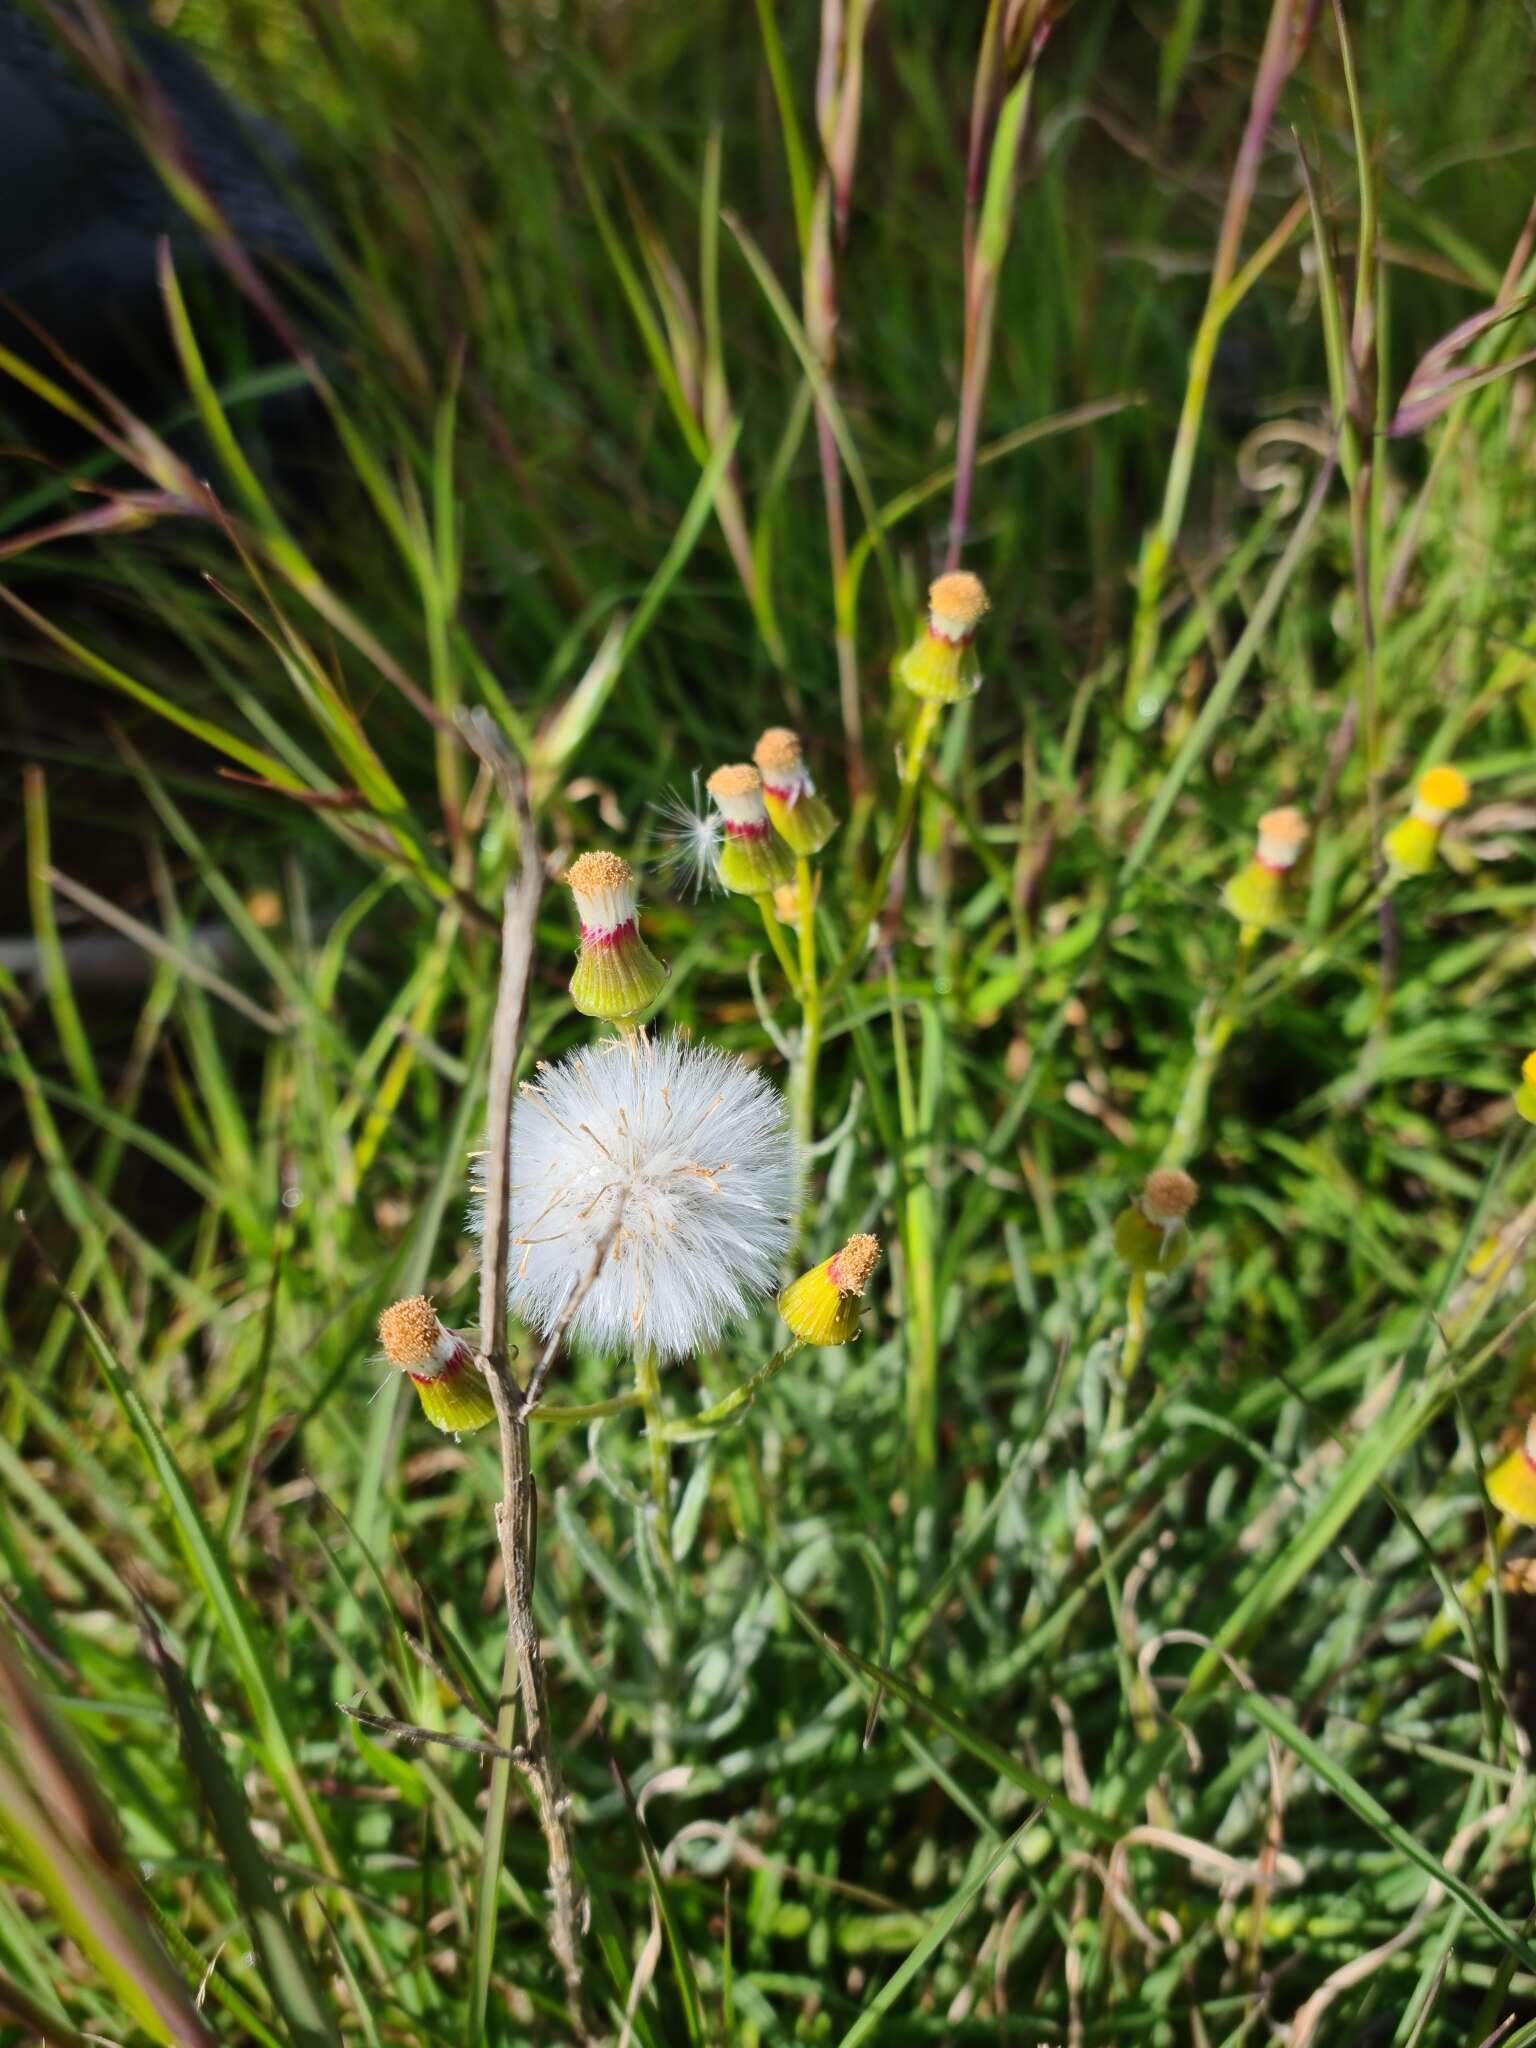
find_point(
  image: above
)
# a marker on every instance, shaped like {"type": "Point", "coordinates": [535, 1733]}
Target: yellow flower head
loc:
{"type": "Point", "coordinates": [822, 1306]}
{"type": "Point", "coordinates": [441, 1366]}
{"type": "Point", "coordinates": [1152, 1236]}
{"type": "Point", "coordinates": [1255, 896]}
{"type": "Point", "coordinates": [1512, 1482]}
{"type": "Point", "coordinates": [753, 859]}
{"type": "Point", "coordinates": [617, 976]}
{"type": "Point", "coordinates": [942, 663]}
{"type": "Point", "coordinates": [1411, 845]}
{"type": "Point", "coordinates": [802, 819]}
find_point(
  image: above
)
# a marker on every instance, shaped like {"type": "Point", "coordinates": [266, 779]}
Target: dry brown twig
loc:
{"type": "Point", "coordinates": [517, 1510]}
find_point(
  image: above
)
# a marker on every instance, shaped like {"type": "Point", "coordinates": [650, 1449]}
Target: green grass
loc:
{"type": "Point", "coordinates": [995, 1699]}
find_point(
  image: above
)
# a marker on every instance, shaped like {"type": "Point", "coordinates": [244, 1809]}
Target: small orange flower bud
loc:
{"type": "Point", "coordinates": [441, 1366]}
{"type": "Point", "coordinates": [753, 859]}
{"type": "Point", "coordinates": [822, 1306]}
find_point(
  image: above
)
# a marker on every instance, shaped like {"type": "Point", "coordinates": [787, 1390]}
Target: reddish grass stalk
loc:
{"type": "Point", "coordinates": [1015, 35]}
{"type": "Point", "coordinates": [839, 103]}
{"type": "Point", "coordinates": [1290, 26]}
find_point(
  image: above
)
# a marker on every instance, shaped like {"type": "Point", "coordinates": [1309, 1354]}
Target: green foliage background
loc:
{"type": "Point", "coordinates": [1070, 1819]}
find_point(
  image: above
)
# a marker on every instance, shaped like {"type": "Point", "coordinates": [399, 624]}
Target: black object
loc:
{"type": "Point", "coordinates": [85, 208]}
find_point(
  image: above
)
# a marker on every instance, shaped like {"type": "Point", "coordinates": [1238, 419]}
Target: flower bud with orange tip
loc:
{"type": "Point", "coordinates": [802, 819]}
{"type": "Point", "coordinates": [1512, 1482]}
{"type": "Point", "coordinates": [1525, 1094]}
{"type": "Point", "coordinates": [1411, 845]}
{"type": "Point", "coordinates": [1152, 1236]}
{"type": "Point", "coordinates": [753, 860]}
{"type": "Point", "coordinates": [442, 1368]}
{"type": "Point", "coordinates": [617, 976]}
{"type": "Point", "coordinates": [1254, 897]}
{"type": "Point", "coordinates": [942, 664]}
{"type": "Point", "coordinates": [822, 1306]}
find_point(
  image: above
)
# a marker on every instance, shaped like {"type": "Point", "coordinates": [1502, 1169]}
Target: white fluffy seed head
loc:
{"type": "Point", "coordinates": [691, 835]}
{"type": "Point", "coordinates": [674, 1156]}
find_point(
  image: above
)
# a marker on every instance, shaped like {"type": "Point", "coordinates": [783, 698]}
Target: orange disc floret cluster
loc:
{"type": "Point", "coordinates": [409, 1332]}
{"type": "Point", "coordinates": [850, 1269]}
{"type": "Point", "coordinates": [1168, 1195]}
{"type": "Point", "coordinates": [1285, 827]}
{"type": "Point", "coordinates": [736, 778]}
{"type": "Point", "coordinates": [958, 600]}
{"type": "Point", "coordinates": [822, 1306]}
{"type": "Point", "coordinates": [598, 870]}
{"type": "Point", "coordinates": [778, 752]}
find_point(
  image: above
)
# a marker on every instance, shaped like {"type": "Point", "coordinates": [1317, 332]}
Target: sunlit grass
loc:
{"type": "Point", "coordinates": [1001, 1695]}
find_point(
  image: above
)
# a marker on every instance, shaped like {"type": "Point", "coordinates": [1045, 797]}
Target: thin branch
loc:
{"type": "Point", "coordinates": [517, 1510]}
{"type": "Point", "coordinates": [408, 1731]}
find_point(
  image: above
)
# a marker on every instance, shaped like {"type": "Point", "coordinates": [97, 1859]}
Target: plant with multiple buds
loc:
{"type": "Point", "coordinates": [1412, 843]}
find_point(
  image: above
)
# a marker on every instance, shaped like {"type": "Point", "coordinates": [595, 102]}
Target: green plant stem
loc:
{"type": "Point", "coordinates": [917, 1239]}
{"type": "Point", "coordinates": [591, 1411]}
{"type": "Point", "coordinates": [648, 1393]}
{"type": "Point", "coordinates": [918, 741]}
{"type": "Point", "coordinates": [1210, 1044]}
{"type": "Point", "coordinates": [1132, 1353]}
{"type": "Point", "coordinates": [1469, 1593]}
{"type": "Point", "coordinates": [734, 1406]}
{"type": "Point", "coordinates": [779, 943]}
{"type": "Point", "coordinates": [810, 1009]}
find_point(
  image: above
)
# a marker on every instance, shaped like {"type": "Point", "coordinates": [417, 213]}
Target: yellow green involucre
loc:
{"type": "Point", "coordinates": [1512, 1482]}
{"type": "Point", "coordinates": [1151, 1236]}
{"type": "Point", "coordinates": [450, 1386]}
{"type": "Point", "coordinates": [1525, 1094]}
{"type": "Point", "coordinates": [753, 859]}
{"type": "Point", "coordinates": [1256, 897]}
{"type": "Point", "coordinates": [822, 1306]}
{"type": "Point", "coordinates": [1412, 844]}
{"type": "Point", "coordinates": [942, 665]}
{"type": "Point", "coordinates": [617, 976]}
{"type": "Point", "coordinates": [802, 819]}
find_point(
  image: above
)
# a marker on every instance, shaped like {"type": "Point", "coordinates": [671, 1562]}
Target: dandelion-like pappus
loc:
{"type": "Point", "coordinates": [661, 1172]}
